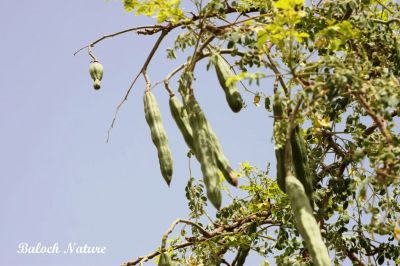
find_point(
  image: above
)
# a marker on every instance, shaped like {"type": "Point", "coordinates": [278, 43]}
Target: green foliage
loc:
{"type": "Point", "coordinates": [336, 67]}
{"type": "Point", "coordinates": [286, 14]}
{"type": "Point", "coordinates": [343, 228]}
{"type": "Point", "coordinates": [165, 10]}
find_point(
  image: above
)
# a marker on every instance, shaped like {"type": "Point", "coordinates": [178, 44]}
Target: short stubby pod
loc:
{"type": "Point", "coordinates": [96, 72]}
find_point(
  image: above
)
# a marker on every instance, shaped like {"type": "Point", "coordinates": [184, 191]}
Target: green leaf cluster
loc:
{"type": "Point", "coordinates": [163, 10]}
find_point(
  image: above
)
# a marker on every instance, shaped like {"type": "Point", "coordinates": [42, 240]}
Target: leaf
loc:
{"type": "Point", "coordinates": [257, 99]}
{"type": "Point", "coordinates": [325, 122]}
{"type": "Point", "coordinates": [164, 10]}
{"type": "Point", "coordinates": [396, 232]}
{"type": "Point", "coordinates": [261, 38]}
{"type": "Point", "coordinates": [288, 4]}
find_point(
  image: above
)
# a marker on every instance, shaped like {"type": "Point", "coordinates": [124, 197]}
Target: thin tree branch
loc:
{"type": "Point", "coordinates": [142, 70]}
{"type": "Point", "coordinates": [278, 74]}
{"type": "Point", "coordinates": [147, 80]}
{"type": "Point", "coordinates": [336, 148]}
{"type": "Point", "coordinates": [355, 259]}
{"type": "Point", "coordinates": [370, 129]}
{"type": "Point", "coordinates": [341, 166]}
{"type": "Point", "coordinates": [175, 223]}
{"type": "Point", "coordinates": [119, 33]}
{"type": "Point", "coordinates": [156, 253]}
{"type": "Point", "coordinates": [379, 121]}
{"type": "Point", "coordinates": [219, 231]}
{"type": "Point", "coordinates": [225, 262]}
{"type": "Point", "coordinates": [153, 29]}
{"type": "Point", "coordinates": [387, 22]}
{"type": "Point", "coordinates": [199, 57]}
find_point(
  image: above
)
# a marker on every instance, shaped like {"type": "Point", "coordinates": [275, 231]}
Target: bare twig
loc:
{"type": "Point", "coordinates": [371, 129]}
{"type": "Point", "coordinates": [384, 6]}
{"type": "Point", "coordinates": [175, 223]}
{"type": "Point", "coordinates": [147, 79]}
{"type": "Point", "coordinates": [341, 166]}
{"type": "Point", "coordinates": [142, 70]}
{"type": "Point", "coordinates": [336, 148]}
{"type": "Point", "coordinates": [156, 253]}
{"type": "Point", "coordinates": [168, 88]}
{"type": "Point", "coordinates": [153, 29]}
{"type": "Point", "coordinates": [355, 259]}
{"type": "Point", "coordinates": [119, 33]}
{"type": "Point", "coordinates": [90, 52]}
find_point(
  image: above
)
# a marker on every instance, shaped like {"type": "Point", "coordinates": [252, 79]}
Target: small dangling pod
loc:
{"type": "Point", "coordinates": [96, 72]}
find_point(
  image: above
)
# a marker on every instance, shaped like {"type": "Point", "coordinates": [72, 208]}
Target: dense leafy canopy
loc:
{"type": "Point", "coordinates": [336, 66]}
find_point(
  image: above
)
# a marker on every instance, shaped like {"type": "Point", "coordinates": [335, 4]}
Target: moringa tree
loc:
{"type": "Point", "coordinates": [335, 67]}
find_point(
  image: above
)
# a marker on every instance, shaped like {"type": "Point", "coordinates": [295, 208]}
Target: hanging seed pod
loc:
{"type": "Point", "coordinates": [279, 153]}
{"type": "Point", "coordinates": [222, 162]}
{"type": "Point", "coordinates": [232, 94]}
{"type": "Point", "coordinates": [182, 120]}
{"type": "Point", "coordinates": [205, 153]}
{"type": "Point", "coordinates": [300, 162]}
{"type": "Point", "coordinates": [158, 135]}
{"type": "Point", "coordinates": [306, 223]}
{"type": "Point", "coordinates": [96, 72]}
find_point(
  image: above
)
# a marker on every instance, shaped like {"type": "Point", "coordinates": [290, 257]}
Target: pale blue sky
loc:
{"type": "Point", "coordinates": [60, 182]}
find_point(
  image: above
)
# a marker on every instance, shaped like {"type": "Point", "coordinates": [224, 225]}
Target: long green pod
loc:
{"type": "Point", "coordinates": [181, 118]}
{"type": "Point", "coordinates": [205, 153]}
{"type": "Point", "coordinates": [300, 162]}
{"type": "Point", "coordinates": [279, 153]}
{"type": "Point", "coordinates": [305, 221]}
{"type": "Point", "coordinates": [232, 94]}
{"type": "Point", "coordinates": [222, 162]}
{"type": "Point", "coordinates": [158, 135]}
